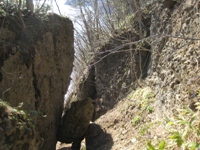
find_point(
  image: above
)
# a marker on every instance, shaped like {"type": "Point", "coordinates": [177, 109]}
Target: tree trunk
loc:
{"type": "Point", "coordinates": [30, 5]}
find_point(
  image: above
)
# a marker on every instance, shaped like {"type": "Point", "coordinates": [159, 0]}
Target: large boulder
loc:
{"type": "Point", "coordinates": [35, 67]}
{"type": "Point", "coordinates": [79, 110]}
{"type": "Point", "coordinates": [75, 121]}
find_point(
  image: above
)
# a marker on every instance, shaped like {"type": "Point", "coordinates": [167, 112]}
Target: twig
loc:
{"type": "Point", "coordinates": [4, 93]}
{"type": "Point", "coordinates": [115, 50]}
{"type": "Point", "coordinates": [58, 7]}
{"type": "Point", "coordinates": [41, 6]}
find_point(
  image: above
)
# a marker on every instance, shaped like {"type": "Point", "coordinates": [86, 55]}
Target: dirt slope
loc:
{"type": "Point", "coordinates": [134, 125]}
{"type": "Point", "coordinates": [127, 118]}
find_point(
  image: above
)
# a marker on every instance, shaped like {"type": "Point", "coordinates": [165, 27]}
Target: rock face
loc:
{"type": "Point", "coordinates": [170, 59]}
{"type": "Point", "coordinates": [175, 75]}
{"type": "Point", "coordinates": [119, 67]}
{"type": "Point", "coordinates": [173, 54]}
{"type": "Point", "coordinates": [35, 67]}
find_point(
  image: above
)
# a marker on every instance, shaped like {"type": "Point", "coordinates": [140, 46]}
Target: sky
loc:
{"type": "Point", "coordinates": [65, 10]}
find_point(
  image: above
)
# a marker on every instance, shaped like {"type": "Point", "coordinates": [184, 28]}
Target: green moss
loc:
{"type": "Point", "coordinates": [146, 98]}
{"type": "Point", "coordinates": [3, 106]}
{"type": "Point", "coordinates": [136, 121]}
{"type": "Point", "coordinates": [17, 128]}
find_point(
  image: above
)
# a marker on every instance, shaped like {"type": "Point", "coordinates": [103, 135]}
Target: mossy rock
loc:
{"type": "Point", "coordinates": [16, 129]}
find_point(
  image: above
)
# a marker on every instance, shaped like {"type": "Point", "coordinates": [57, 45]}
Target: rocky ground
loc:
{"type": "Point", "coordinates": [134, 124]}
{"type": "Point", "coordinates": [60, 146]}
{"type": "Point", "coordinates": [120, 125]}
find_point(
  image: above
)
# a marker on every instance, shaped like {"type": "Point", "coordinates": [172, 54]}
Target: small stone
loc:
{"type": "Point", "coordinates": [124, 132]}
{"type": "Point", "coordinates": [188, 5]}
{"type": "Point", "coordinates": [116, 121]}
{"type": "Point", "coordinates": [133, 140]}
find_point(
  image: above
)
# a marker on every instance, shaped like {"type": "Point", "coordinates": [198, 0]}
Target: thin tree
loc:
{"type": "Point", "coordinates": [30, 6]}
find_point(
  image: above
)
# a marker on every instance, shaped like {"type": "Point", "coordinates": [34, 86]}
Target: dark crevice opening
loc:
{"type": "Point", "coordinates": [169, 4]}
{"type": "Point", "coordinates": [1, 76]}
{"type": "Point", "coordinates": [37, 91]}
{"type": "Point", "coordinates": [146, 65]}
{"type": "Point", "coordinates": [146, 60]}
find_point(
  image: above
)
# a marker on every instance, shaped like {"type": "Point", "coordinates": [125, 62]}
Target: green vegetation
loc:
{"type": "Point", "coordinates": [17, 128]}
{"type": "Point", "coordinates": [182, 131]}
{"type": "Point", "coordinates": [3, 106]}
{"type": "Point", "coordinates": [136, 120]}
{"type": "Point", "coordinates": [161, 146]}
{"type": "Point", "coordinates": [177, 130]}
{"type": "Point", "coordinates": [184, 128]}
{"type": "Point", "coordinates": [16, 113]}
{"type": "Point", "coordinates": [145, 97]}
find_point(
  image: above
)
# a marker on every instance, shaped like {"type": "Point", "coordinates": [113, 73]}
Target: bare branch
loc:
{"type": "Point", "coordinates": [58, 7]}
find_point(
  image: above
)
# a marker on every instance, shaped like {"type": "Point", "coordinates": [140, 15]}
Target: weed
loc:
{"type": "Point", "coordinates": [150, 109]}
{"type": "Point", "coordinates": [144, 130]}
{"type": "Point", "coordinates": [183, 130]}
{"type": "Point", "coordinates": [160, 146]}
{"type": "Point", "coordinates": [136, 121]}
{"type": "Point", "coordinates": [177, 137]}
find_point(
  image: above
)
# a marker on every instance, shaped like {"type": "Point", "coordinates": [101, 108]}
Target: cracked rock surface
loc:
{"type": "Point", "coordinates": [35, 67]}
